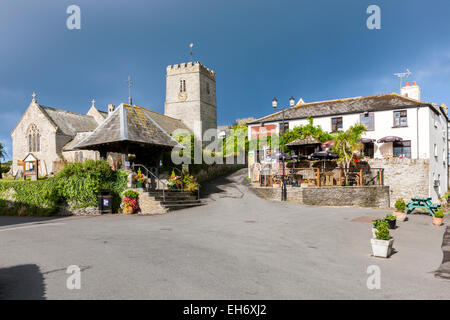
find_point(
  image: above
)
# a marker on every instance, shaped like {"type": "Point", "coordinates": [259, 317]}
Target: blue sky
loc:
{"type": "Point", "coordinates": [314, 49]}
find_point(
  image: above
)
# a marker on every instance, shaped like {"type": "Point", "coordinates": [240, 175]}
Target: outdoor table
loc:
{"type": "Point", "coordinates": [422, 203]}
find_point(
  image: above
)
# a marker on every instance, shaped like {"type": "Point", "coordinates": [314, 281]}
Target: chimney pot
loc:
{"type": "Point", "coordinates": [111, 108]}
{"type": "Point", "coordinates": [414, 83]}
{"type": "Point", "coordinates": [407, 84]}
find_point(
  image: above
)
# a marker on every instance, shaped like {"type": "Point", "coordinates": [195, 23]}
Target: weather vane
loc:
{"type": "Point", "coordinates": [191, 46]}
{"type": "Point", "coordinates": [129, 82]}
{"type": "Point", "coordinates": [403, 75]}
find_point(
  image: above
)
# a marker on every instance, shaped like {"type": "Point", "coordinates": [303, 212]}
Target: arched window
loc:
{"type": "Point", "coordinates": [182, 85]}
{"type": "Point", "coordinates": [34, 138]}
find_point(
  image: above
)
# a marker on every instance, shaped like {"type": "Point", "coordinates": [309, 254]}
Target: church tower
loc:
{"type": "Point", "coordinates": [191, 96]}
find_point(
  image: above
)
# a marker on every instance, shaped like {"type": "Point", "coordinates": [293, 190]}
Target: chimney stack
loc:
{"type": "Point", "coordinates": [411, 91]}
{"type": "Point", "coordinates": [111, 108]}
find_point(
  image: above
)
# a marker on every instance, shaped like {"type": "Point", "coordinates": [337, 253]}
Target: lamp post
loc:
{"type": "Point", "coordinates": [283, 181]}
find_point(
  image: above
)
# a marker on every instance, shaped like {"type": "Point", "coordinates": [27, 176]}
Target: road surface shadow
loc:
{"type": "Point", "coordinates": [23, 282]}
{"type": "Point", "coordinates": [219, 184]}
{"type": "Point", "coordinates": [13, 220]}
{"type": "Point", "coordinates": [444, 270]}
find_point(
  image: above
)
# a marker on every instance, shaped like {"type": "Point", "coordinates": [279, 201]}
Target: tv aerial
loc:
{"type": "Point", "coordinates": [402, 75]}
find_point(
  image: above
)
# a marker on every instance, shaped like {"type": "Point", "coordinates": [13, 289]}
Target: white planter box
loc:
{"type": "Point", "coordinates": [382, 248]}
{"type": "Point", "coordinates": [401, 216]}
{"type": "Point", "coordinates": [374, 230]}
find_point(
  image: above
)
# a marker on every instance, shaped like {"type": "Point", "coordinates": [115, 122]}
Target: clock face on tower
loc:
{"type": "Point", "coordinates": [182, 96]}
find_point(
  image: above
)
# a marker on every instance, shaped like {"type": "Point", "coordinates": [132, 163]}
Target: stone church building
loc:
{"type": "Point", "coordinates": [53, 135]}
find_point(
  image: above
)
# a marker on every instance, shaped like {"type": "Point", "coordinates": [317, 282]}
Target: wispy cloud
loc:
{"type": "Point", "coordinates": [438, 66]}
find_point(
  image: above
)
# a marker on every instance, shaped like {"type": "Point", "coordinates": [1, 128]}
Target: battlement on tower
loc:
{"type": "Point", "coordinates": [190, 67]}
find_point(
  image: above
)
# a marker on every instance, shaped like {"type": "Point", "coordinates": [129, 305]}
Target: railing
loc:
{"type": "Point", "coordinates": [154, 176]}
{"type": "Point", "coordinates": [166, 186]}
{"type": "Point", "coordinates": [182, 183]}
{"type": "Point", "coordinates": [317, 177]}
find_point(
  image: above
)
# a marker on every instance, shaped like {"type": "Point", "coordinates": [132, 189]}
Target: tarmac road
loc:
{"type": "Point", "coordinates": [238, 246]}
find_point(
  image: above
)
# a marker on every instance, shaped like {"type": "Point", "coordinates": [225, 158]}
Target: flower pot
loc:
{"type": "Point", "coordinates": [304, 185]}
{"type": "Point", "coordinates": [401, 216]}
{"type": "Point", "coordinates": [437, 221]}
{"type": "Point", "coordinates": [374, 235]}
{"type": "Point", "coordinates": [391, 223]}
{"type": "Point", "coordinates": [128, 210]}
{"type": "Point", "coordinates": [139, 185]}
{"type": "Point", "coordinates": [381, 248]}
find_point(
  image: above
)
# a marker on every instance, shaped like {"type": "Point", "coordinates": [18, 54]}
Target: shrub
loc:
{"type": "Point", "coordinates": [400, 204]}
{"type": "Point", "coordinates": [131, 194]}
{"type": "Point", "coordinates": [382, 232]}
{"type": "Point", "coordinates": [4, 168]}
{"type": "Point", "coordinates": [76, 182]}
{"type": "Point", "coordinates": [81, 182]}
{"type": "Point", "coordinates": [376, 223]}
{"type": "Point", "coordinates": [190, 183]}
{"type": "Point", "coordinates": [390, 217]}
{"type": "Point", "coordinates": [439, 214]}
{"type": "Point", "coordinates": [31, 198]}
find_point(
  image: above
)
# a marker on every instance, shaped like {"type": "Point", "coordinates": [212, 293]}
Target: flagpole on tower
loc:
{"type": "Point", "coordinates": [191, 46]}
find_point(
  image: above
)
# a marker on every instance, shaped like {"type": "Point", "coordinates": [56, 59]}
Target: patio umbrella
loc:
{"type": "Point", "coordinates": [323, 155]}
{"type": "Point", "coordinates": [389, 139]}
{"type": "Point", "coordinates": [279, 156]}
{"type": "Point", "coordinates": [366, 140]}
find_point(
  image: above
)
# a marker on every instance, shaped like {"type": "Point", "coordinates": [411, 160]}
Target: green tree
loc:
{"type": "Point", "coordinates": [347, 146]}
{"type": "Point", "coordinates": [2, 156]}
{"type": "Point", "coordinates": [237, 142]}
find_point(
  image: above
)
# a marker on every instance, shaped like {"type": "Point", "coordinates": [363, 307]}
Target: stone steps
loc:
{"type": "Point", "coordinates": [174, 199]}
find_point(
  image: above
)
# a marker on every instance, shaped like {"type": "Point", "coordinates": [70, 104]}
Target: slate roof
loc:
{"type": "Point", "coordinates": [134, 124]}
{"type": "Point", "coordinates": [344, 106]}
{"type": "Point", "coordinates": [301, 142]}
{"type": "Point", "coordinates": [69, 123]}
{"type": "Point", "coordinates": [167, 123]}
{"type": "Point", "coordinates": [76, 140]}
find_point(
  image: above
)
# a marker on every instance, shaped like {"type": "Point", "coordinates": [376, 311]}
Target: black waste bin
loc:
{"type": "Point", "coordinates": [105, 202]}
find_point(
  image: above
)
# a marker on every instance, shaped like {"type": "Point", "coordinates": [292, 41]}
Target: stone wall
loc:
{"type": "Point", "coordinates": [148, 204]}
{"type": "Point", "coordinates": [368, 196]}
{"type": "Point", "coordinates": [47, 131]}
{"type": "Point", "coordinates": [198, 108]}
{"type": "Point", "coordinates": [406, 178]}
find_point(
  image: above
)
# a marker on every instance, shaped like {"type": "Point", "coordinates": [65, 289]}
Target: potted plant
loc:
{"type": "Point", "coordinates": [304, 183]}
{"type": "Point", "coordinates": [190, 183]}
{"type": "Point", "coordinates": [174, 181]}
{"type": "Point", "coordinates": [391, 220]}
{"type": "Point", "coordinates": [375, 224]}
{"type": "Point", "coordinates": [400, 207]}
{"type": "Point", "coordinates": [382, 244]}
{"type": "Point", "coordinates": [130, 202]}
{"type": "Point", "coordinates": [438, 217]}
{"type": "Point", "coordinates": [139, 179]}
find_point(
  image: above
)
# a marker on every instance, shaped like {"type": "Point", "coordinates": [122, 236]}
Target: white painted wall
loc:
{"type": "Point", "coordinates": [438, 154]}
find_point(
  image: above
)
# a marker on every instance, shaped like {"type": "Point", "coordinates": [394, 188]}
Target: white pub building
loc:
{"type": "Point", "coordinates": [405, 136]}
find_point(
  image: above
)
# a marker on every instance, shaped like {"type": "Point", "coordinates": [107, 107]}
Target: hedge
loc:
{"type": "Point", "coordinates": [28, 197]}
{"type": "Point", "coordinates": [77, 183]}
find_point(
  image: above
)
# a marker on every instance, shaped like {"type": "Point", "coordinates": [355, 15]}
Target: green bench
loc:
{"type": "Point", "coordinates": [422, 203]}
